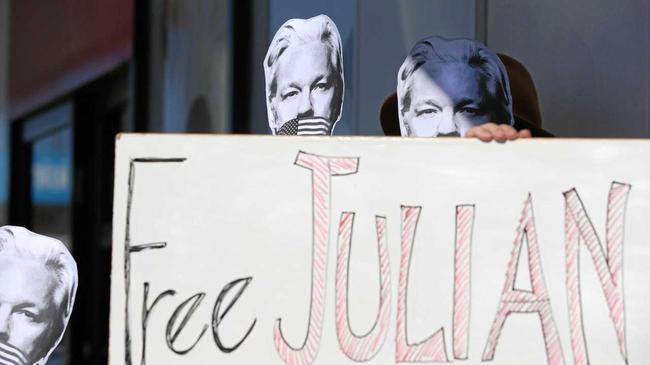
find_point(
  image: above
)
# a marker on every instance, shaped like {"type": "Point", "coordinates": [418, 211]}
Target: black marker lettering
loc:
{"type": "Point", "coordinates": [146, 311]}
{"type": "Point", "coordinates": [196, 300]}
{"type": "Point", "coordinates": [217, 315]}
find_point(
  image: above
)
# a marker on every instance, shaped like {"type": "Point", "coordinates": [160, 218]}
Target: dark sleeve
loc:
{"type": "Point", "coordinates": [534, 130]}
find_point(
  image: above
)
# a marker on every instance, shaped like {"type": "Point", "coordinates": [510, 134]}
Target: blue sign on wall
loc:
{"type": "Point", "coordinates": [52, 169]}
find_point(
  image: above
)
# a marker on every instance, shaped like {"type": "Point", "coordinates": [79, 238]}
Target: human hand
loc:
{"type": "Point", "coordinates": [498, 132]}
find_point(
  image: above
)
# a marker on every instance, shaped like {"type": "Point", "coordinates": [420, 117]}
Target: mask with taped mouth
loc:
{"type": "Point", "coordinates": [11, 355]}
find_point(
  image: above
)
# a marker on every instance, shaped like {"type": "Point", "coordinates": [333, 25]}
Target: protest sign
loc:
{"type": "Point", "coordinates": [243, 250]}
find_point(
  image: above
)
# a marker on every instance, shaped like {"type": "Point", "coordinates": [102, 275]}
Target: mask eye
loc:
{"type": "Point", "coordinates": [321, 86]}
{"type": "Point", "coordinates": [469, 110]}
{"type": "Point", "coordinates": [426, 112]}
{"type": "Point", "coordinates": [289, 94]}
{"type": "Point", "coordinates": [27, 314]}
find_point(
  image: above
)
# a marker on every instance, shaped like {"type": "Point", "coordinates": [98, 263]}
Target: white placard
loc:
{"type": "Point", "coordinates": [298, 250]}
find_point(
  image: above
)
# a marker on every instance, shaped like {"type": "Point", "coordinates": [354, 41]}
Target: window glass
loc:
{"type": "Point", "coordinates": [52, 184]}
{"type": "Point", "coordinates": [196, 66]}
{"type": "Point", "coordinates": [4, 123]}
{"type": "Point", "coordinates": [50, 137]}
{"type": "Point", "coordinates": [4, 169]}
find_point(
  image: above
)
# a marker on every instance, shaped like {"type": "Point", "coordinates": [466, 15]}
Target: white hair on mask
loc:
{"type": "Point", "coordinates": [55, 257]}
{"type": "Point", "coordinates": [300, 31]}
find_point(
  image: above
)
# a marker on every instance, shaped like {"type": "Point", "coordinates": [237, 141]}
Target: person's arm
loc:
{"type": "Point", "coordinates": [496, 132]}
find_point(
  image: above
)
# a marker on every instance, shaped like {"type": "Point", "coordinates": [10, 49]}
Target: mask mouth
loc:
{"type": "Point", "coordinates": [306, 126]}
{"type": "Point", "coordinates": [450, 134]}
{"type": "Point", "coordinates": [11, 355]}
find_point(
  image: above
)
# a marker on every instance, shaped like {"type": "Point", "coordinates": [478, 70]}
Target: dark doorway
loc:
{"type": "Point", "coordinates": [62, 186]}
{"type": "Point", "coordinates": [101, 112]}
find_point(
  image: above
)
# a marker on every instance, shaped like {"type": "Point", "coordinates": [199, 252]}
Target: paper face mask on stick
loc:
{"type": "Point", "coordinates": [303, 69]}
{"type": "Point", "coordinates": [38, 282]}
{"type": "Point", "coordinates": [447, 86]}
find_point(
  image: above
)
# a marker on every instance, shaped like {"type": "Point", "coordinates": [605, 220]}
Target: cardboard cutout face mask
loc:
{"type": "Point", "coordinates": [304, 76]}
{"type": "Point", "coordinates": [446, 87]}
{"type": "Point", "coordinates": [38, 281]}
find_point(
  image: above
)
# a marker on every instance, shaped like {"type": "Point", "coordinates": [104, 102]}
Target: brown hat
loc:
{"type": "Point", "coordinates": [525, 104]}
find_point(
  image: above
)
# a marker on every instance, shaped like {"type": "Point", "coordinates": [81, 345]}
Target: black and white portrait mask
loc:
{"type": "Point", "coordinates": [38, 282]}
{"type": "Point", "coordinates": [303, 69]}
{"type": "Point", "coordinates": [447, 86]}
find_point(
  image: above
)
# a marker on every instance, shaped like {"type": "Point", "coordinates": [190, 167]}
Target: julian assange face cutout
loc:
{"type": "Point", "coordinates": [447, 100]}
{"type": "Point", "coordinates": [446, 87]}
{"type": "Point", "coordinates": [38, 282]}
{"type": "Point", "coordinates": [27, 306]}
{"type": "Point", "coordinates": [303, 70]}
{"type": "Point", "coordinates": [305, 83]}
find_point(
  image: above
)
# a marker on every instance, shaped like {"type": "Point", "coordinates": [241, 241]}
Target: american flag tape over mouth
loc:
{"type": "Point", "coordinates": [312, 126]}
{"type": "Point", "coordinates": [10, 355]}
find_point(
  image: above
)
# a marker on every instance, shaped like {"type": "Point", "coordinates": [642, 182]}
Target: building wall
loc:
{"type": "Point", "coordinates": [4, 123]}
{"type": "Point", "coordinates": [59, 46]}
{"type": "Point", "coordinates": [190, 70]}
{"type": "Point", "coordinates": [261, 37]}
{"type": "Point", "coordinates": [589, 60]}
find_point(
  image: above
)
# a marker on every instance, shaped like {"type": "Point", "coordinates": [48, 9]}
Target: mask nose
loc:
{"type": "Point", "coordinates": [306, 107]}
{"type": "Point", "coordinates": [447, 127]}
